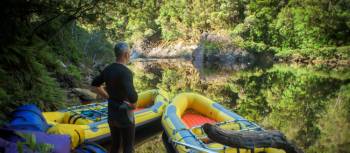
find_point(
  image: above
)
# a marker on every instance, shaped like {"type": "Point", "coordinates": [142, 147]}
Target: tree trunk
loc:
{"type": "Point", "coordinates": [250, 139]}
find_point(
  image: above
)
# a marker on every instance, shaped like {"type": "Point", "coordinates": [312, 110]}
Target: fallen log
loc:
{"type": "Point", "coordinates": [250, 139]}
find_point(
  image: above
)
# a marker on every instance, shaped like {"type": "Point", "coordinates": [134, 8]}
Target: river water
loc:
{"type": "Point", "coordinates": [308, 103]}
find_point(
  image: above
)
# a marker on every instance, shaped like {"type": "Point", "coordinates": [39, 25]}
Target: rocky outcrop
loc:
{"type": "Point", "coordinates": [163, 50]}
{"type": "Point", "coordinates": [213, 51]}
{"type": "Point", "coordinates": [217, 51]}
{"type": "Point", "coordinates": [236, 59]}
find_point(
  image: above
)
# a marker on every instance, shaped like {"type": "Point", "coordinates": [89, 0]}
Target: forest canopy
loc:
{"type": "Point", "coordinates": [39, 38]}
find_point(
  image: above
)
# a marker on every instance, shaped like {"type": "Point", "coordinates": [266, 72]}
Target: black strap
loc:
{"type": "Point", "coordinates": [86, 147]}
{"type": "Point", "coordinates": [96, 145]}
{"type": "Point", "coordinates": [71, 117]}
{"type": "Point", "coordinates": [75, 120]}
{"type": "Point", "coordinates": [78, 135]}
{"type": "Point", "coordinates": [252, 150]}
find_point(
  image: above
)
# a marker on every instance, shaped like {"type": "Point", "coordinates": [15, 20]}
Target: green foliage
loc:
{"type": "Point", "coordinates": [212, 47]}
{"type": "Point", "coordinates": [251, 103]}
{"type": "Point", "coordinates": [284, 97]}
{"type": "Point", "coordinates": [74, 71]}
{"type": "Point", "coordinates": [340, 53]}
{"type": "Point", "coordinates": [34, 63]}
{"type": "Point", "coordinates": [284, 24]}
{"type": "Point", "coordinates": [293, 25]}
{"type": "Point", "coordinates": [172, 20]}
{"type": "Point", "coordinates": [46, 43]}
{"type": "Point", "coordinates": [220, 92]}
{"type": "Point", "coordinates": [31, 144]}
{"type": "Point", "coordinates": [176, 80]}
{"type": "Point", "coordinates": [141, 20]}
{"type": "Point", "coordinates": [258, 26]}
{"type": "Point", "coordinates": [172, 82]}
{"type": "Point", "coordinates": [190, 18]}
{"type": "Point", "coordinates": [145, 80]}
{"type": "Point", "coordinates": [254, 47]}
{"type": "Point", "coordinates": [25, 78]}
{"type": "Point", "coordinates": [334, 124]}
{"type": "Point", "coordinates": [308, 104]}
{"type": "Point", "coordinates": [312, 24]}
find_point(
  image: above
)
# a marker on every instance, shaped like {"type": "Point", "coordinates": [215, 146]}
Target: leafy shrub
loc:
{"type": "Point", "coordinates": [254, 47]}
{"type": "Point", "coordinates": [74, 71]}
{"type": "Point", "coordinates": [145, 80]}
{"type": "Point", "coordinates": [31, 144]}
{"type": "Point", "coordinates": [342, 53]}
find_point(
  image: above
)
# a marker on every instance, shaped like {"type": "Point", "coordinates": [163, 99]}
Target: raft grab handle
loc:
{"type": "Point", "coordinates": [193, 147]}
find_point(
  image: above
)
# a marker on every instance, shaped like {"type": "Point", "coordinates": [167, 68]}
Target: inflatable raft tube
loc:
{"type": "Point", "coordinates": [28, 117]}
{"type": "Point", "coordinates": [90, 148]}
{"type": "Point", "coordinates": [88, 123]}
{"type": "Point", "coordinates": [182, 122]}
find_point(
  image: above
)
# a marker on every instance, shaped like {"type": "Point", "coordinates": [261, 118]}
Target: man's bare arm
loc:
{"type": "Point", "coordinates": [97, 84]}
{"type": "Point", "coordinates": [101, 91]}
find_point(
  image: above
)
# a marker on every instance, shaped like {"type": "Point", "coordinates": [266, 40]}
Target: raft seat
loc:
{"type": "Point", "coordinates": [194, 119]}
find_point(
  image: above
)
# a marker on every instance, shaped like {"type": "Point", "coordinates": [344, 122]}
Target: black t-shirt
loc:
{"type": "Point", "coordinates": [119, 83]}
{"type": "Point", "coordinates": [120, 87]}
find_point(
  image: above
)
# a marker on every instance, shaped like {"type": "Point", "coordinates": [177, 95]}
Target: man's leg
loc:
{"type": "Point", "coordinates": [115, 135]}
{"type": "Point", "coordinates": [128, 136]}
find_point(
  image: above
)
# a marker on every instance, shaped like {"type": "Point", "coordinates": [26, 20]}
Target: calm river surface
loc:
{"type": "Point", "coordinates": [308, 103]}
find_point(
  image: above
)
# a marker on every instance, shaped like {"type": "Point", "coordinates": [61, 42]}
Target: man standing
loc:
{"type": "Point", "coordinates": [121, 96]}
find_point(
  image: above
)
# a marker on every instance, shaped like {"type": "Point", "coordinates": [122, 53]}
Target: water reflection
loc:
{"type": "Point", "coordinates": [299, 100]}
{"type": "Point", "coordinates": [294, 99]}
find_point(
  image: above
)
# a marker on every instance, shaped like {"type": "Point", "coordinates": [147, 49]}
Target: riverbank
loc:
{"type": "Point", "coordinates": [217, 50]}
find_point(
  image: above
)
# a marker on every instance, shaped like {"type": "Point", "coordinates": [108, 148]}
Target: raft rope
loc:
{"type": "Point", "coordinates": [191, 135]}
{"type": "Point", "coordinates": [192, 147]}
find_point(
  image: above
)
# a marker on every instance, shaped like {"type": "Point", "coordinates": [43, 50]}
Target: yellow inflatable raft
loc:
{"type": "Point", "coordinates": [89, 122]}
{"type": "Point", "coordinates": [182, 122]}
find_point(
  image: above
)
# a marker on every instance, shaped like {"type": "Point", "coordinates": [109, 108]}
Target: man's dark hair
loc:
{"type": "Point", "coordinates": [120, 48]}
